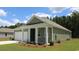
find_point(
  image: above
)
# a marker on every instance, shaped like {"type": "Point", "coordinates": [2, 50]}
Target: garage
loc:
{"type": "Point", "coordinates": [21, 36]}
{"type": "Point", "coordinates": [18, 35]}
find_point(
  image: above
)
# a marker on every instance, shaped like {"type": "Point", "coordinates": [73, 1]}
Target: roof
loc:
{"type": "Point", "coordinates": [6, 30]}
{"type": "Point", "coordinates": [54, 24]}
{"type": "Point", "coordinates": [47, 21]}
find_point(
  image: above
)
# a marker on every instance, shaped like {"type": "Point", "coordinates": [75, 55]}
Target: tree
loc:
{"type": "Point", "coordinates": [16, 25]}
{"type": "Point", "coordinates": [71, 22]}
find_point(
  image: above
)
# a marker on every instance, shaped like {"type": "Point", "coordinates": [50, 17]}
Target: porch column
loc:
{"type": "Point", "coordinates": [47, 35]}
{"type": "Point", "coordinates": [28, 35]}
{"type": "Point", "coordinates": [22, 35]}
{"type": "Point", "coordinates": [36, 35]}
{"type": "Point", "coordinates": [52, 35]}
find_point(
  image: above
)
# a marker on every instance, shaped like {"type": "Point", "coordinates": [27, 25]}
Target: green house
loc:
{"type": "Point", "coordinates": [41, 30]}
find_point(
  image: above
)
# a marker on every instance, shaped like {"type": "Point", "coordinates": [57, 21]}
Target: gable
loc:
{"type": "Point", "coordinates": [34, 20]}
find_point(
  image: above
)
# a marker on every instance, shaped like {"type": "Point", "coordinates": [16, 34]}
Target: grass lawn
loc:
{"type": "Point", "coordinates": [4, 39]}
{"type": "Point", "coordinates": [72, 45]}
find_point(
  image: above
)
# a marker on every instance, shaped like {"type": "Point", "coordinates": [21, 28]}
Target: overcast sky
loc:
{"type": "Point", "coordinates": [13, 15]}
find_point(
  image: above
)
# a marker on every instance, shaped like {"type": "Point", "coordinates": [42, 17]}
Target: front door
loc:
{"type": "Point", "coordinates": [32, 35]}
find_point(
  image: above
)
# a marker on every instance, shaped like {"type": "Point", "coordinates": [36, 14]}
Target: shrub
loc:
{"type": "Point", "coordinates": [34, 43]}
{"type": "Point", "coordinates": [11, 38]}
{"type": "Point", "coordinates": [28, 42]}
{"type": "Point", "coordinates": [58, 41]}
{"type": "Point", "coordinates": [51, 43]}
{"type": "Point", "coordinates": [67, 39]}
{"type": "Point", "coordinates": [40, 43]}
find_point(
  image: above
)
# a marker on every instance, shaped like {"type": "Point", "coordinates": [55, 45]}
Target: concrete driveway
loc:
{"type": "Point", "coordinates": [7, 42]}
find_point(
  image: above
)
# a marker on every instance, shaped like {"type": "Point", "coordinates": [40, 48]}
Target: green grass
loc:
{"type": "Point", "coordinates": [4, 39]}
{"type": "Point", "coordinates": [72, 45]}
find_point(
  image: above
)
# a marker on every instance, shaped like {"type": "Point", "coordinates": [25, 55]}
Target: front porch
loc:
{"type": "Point", "coordinates": [42, 35]}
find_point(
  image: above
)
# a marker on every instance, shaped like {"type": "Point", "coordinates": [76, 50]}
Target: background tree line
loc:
{"type": "Point", "coordinates": [70, 22]}
{"type": "Point", "coordinates": [13, 26]}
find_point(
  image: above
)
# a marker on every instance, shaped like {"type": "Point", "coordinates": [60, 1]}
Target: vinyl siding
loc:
{"type": "Point", "coordinates": [60, 34]}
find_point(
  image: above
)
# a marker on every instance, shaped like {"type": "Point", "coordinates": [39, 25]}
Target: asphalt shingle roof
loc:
{"type": "Point", "coordinates": [54, 24]}
{"type": "Point", "coordinates": [6, 30]}
{"type": "Point", "coordinates": [47, 21]}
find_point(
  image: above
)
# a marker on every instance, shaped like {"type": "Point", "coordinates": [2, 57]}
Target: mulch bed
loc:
{"type": "Point", "coordinates": [38, 46]}
{"type": "Point", "coordinates": [34, 46]}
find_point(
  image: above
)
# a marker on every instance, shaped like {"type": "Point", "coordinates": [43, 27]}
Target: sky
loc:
{"type": "Point", "coordinates": [12, 15]}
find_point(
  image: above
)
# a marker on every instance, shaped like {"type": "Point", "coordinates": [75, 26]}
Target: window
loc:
{"type": "Point", "coordinates": [5, 34]}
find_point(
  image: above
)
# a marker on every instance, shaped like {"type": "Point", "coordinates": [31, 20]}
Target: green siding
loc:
{"type": "Point", "coordinates": [49, 34]}
{"type": "Point", "coordinates": [60, 34]}
{"type": "Point", "coordinates": [41, 35]}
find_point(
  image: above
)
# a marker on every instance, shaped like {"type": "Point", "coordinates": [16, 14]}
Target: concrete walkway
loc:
{"type": "Point", "coordinates": [7, 42]}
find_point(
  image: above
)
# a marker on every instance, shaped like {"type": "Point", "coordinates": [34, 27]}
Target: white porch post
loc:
{"type": "Point", "coordinates": [47, 35]}
{"type": "Point", "coordinates": [36, 35]}
{"type": "Point", "coordinates": [29, 35]}
{"type": "Point", "coordinates": [52, 35]}
{"type": "Point", "coordinates": [22, 35]}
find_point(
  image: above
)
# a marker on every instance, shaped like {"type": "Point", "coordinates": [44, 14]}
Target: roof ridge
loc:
{"type": "Point", "coordinates": [52, 22]}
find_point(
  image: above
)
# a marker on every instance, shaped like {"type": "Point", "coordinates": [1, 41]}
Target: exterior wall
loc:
{"type": "Point", "coordinates": [22, 35]}
{"type": "Point", "coordinates": [2, 35]}
{"type": "Point", "coordinates": [6, 35]}
{"type": "Point", "coordinates": [18, 35]}
{"type": "Point", "coordinates": [41, 35]}
{"type": "Point", "coordinates": [25, 35]}
{"type": "Point", "coordinates": [38, 26]}
{"type": "Point", "coordinates": [10, 35]}
{"type": "Point", "coordinates": [59, 34]}
{"type": "Point", "coordinates": [49, 35]}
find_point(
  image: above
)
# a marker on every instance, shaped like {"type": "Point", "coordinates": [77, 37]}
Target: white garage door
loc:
{"type": "Point", "coordinates": [18, 36]}
{"type": "Point", "coordinates": [21, 36]}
